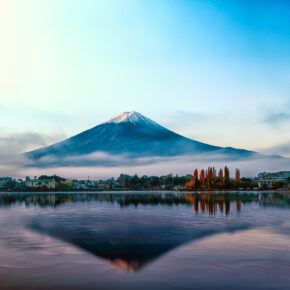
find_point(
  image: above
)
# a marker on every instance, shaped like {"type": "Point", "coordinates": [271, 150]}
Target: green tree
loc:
{"type": "Point", "coordinates": [278, 184]}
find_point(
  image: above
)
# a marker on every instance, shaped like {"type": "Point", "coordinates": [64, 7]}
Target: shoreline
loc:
{"type": "Point", "coordinates": [146, 192]}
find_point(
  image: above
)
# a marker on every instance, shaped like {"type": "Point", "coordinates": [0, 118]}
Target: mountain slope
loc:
{"type": "Point", "coordinates": [133, 135]}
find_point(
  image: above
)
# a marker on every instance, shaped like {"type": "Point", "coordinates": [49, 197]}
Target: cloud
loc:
{"type": "Point", "coordinates": [278, 116]}
{"type": "Point", "coordinates": [104, 166]}
{"type": "Point", "coordinates": [105, 159]}
{"type": "Point", "coordinates": [183, 121]}
{"type": "Point", "coordinates": [283, 149]}
{"type": "Point", "coordinates": [21, 142]}
{"type": "Point", "coordinates": [162, 166]}
{"type": "Point", "coordinates": [12, 161]}
{"type": "Point", "coordinates": [101, 165]}
{"type": "Point", "coordinates": [23, 118]}
{"type": "Point", "coordinates": [190, 116]}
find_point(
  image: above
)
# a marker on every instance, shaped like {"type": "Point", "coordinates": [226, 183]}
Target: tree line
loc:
{"type": "Point", "coordinates": [210, 179]}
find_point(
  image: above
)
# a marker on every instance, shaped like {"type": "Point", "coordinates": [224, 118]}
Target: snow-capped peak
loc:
{"type": "Point", "coordinates": [134, 118]}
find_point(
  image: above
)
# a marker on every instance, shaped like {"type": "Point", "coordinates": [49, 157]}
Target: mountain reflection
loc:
{"type": "Point", "coordinates": [131, 230]}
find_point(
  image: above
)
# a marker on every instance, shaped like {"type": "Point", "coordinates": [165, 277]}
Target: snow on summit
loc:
{"type": "Point", "coordinates": [134, 118]}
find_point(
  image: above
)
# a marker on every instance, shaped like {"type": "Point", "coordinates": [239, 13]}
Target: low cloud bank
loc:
{"type": "Point", "coordinates": [101, 165]}
{"type": "Point", "coordinates": [283, 149]}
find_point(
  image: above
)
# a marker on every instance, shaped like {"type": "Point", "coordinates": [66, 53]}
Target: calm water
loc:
{"type": "Point", "coordinates": [145, 241]}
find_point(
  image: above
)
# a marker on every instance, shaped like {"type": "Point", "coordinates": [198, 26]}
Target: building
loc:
{"type": "Point", "coordinates": [4, 181]}
{"type": "Point", "coordinates": [268, 181]}
{"type": "Point", "coordinates": [79, 185]}
{"type": "Point", "coordinates": [102, 186]}
{"type": "Point", "coordinates": [178, 188]}
{"type": "Point", "coordinates": [40, 183]}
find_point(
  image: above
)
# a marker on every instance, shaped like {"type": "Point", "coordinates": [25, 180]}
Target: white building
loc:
{"type": "Point", "coordinates": [40, 183]}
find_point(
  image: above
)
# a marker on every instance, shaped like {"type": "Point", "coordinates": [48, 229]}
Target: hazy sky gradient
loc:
{"type": "Point", "coordinates": [215, 71]}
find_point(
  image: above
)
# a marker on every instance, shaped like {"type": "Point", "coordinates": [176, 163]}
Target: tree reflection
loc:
{"type": "Point", "coordinates": [210, 202]}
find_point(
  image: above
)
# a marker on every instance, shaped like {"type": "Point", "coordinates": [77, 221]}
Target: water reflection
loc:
{"type": "Point", "coordinates": [210, 202]}
{"type": "Point", "coordinates": [131, 230]}
{"type": "Point", "coordinates": [207, 240]}
{"type": "Point", "coordinates": [126, 241]}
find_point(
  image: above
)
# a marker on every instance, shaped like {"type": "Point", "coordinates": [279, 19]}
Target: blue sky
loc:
{"type": "Point", "coordinates": [215, 71]}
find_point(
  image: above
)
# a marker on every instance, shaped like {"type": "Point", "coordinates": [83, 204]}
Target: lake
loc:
{"type": "Point", "coordinates": [233, 240]}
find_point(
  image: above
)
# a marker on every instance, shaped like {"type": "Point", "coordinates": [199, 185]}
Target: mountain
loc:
{"type": "Point", "coordinates": [133, 135]}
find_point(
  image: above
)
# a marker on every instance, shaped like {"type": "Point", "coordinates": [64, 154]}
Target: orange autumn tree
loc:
{"type": "Point", "coordinates": [227, 177]}
{"type": "Point", "coordinates": [210, 178]}
{"type": "Point", "coordinates": [227, 174]}
{"type": "Point", "coordinates": [192, 184]}
{"type": "Point", "coordinates": [189, 185]}
{"type": "Point", "coordinates": [220, 179]}
{"type": "Point", "coordinates": [195, 179]}
{"type": "Point", "coordinates": [221, 175]}
{"type": "Point", "coordinates": [238, 175]}
{"type": "Point", "coordinates": [214, 173]}
{"type": "Point", "coordinates": [202, 179]}
{"type": "Point", "coordinates": [213, 177]}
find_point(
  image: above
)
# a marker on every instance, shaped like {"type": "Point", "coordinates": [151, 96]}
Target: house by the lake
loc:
{"type": "Point", "coordinates": [40, 183]}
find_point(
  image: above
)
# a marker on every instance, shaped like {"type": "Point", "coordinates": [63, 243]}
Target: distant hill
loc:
{"type": "Point", "coordinates": [283, 174]}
